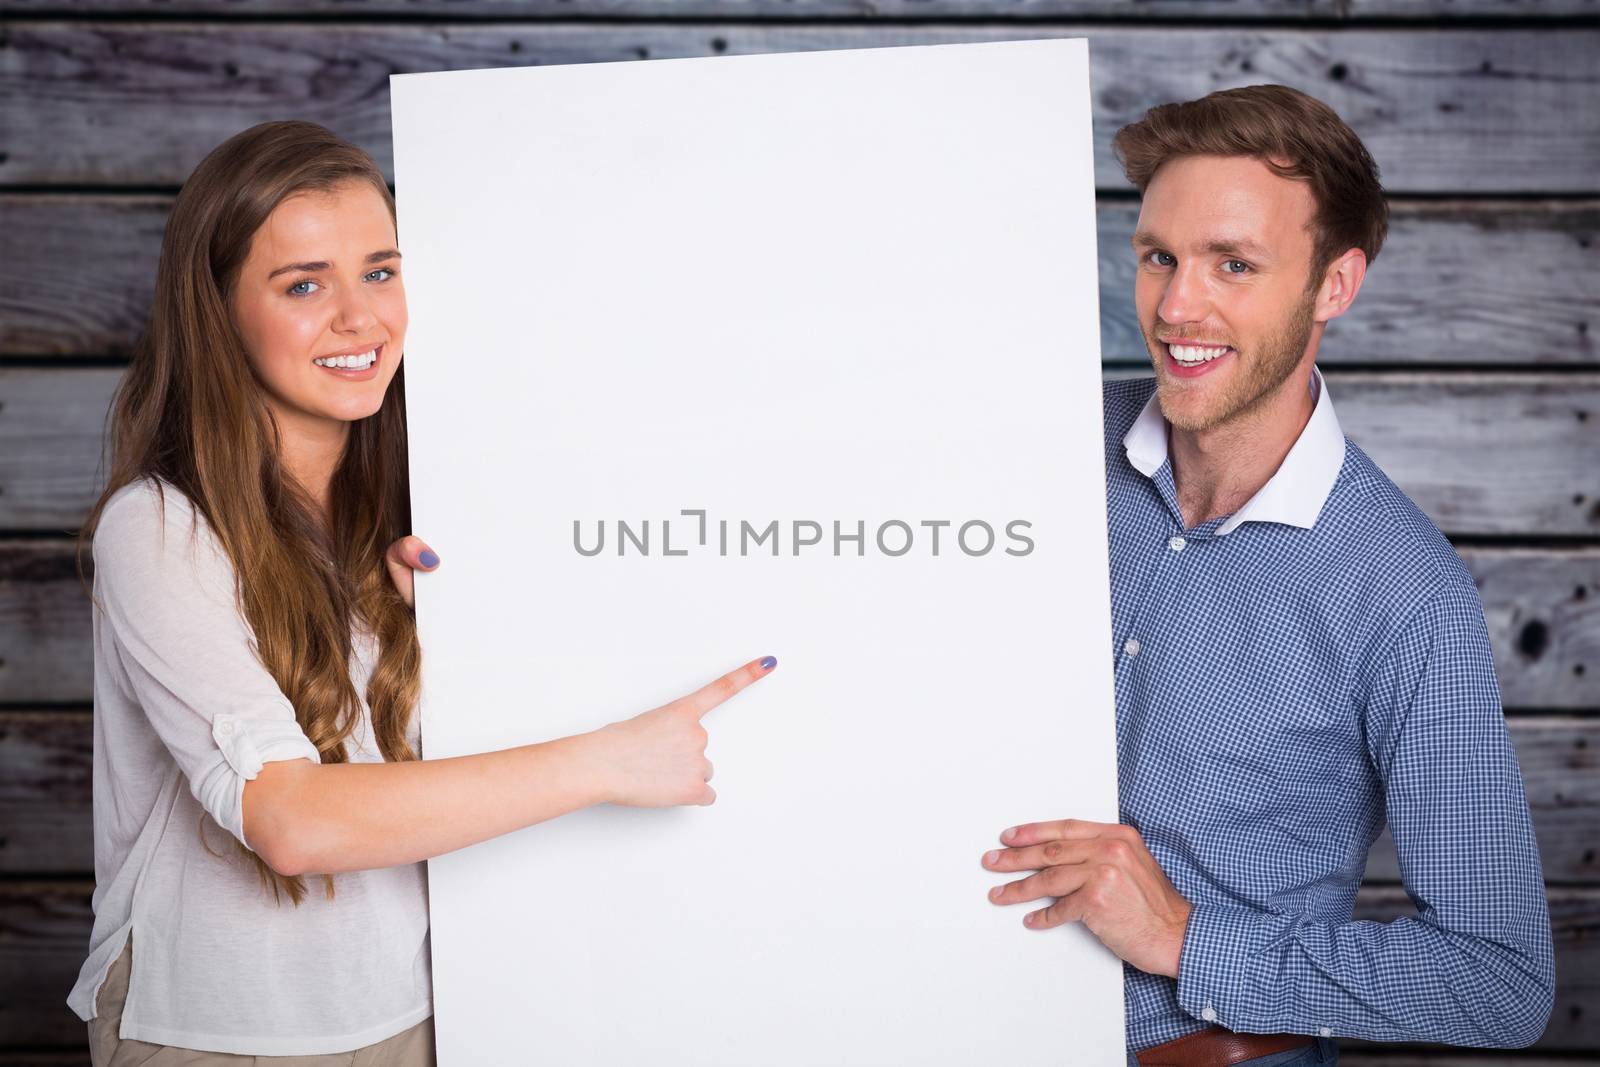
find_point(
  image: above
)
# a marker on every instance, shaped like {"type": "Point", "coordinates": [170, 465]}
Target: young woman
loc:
{"type": "Point", "coordinates": [256, 659]}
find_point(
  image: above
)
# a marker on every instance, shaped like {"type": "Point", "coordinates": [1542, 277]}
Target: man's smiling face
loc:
{"type": "Point", "coordinates": [1224, 247]}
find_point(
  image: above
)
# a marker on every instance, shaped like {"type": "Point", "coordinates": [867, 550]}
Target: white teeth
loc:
{"type": "Point", "coordinates": [356, 362]}
{"type": "Point", "coordinates": [1195, 353]}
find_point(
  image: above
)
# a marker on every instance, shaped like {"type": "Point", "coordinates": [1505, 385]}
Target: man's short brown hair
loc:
{"type": "Point", "coordinates": [1273, 123]}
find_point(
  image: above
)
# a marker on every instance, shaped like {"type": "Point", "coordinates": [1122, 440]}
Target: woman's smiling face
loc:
{"type": "Point", "coordinates": [321, 285]}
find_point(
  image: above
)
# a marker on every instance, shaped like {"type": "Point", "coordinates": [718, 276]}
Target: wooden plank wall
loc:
{"type": "Point", "coordinates": [1468, 367]}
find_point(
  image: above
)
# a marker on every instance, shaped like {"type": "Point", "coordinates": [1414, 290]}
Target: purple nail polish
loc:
{"type": "Point", "coordinates": [769, 663]}
{"type": "Point", "coordinates": [428, 558]}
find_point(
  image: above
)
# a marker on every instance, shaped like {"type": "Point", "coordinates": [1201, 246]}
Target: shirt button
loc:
{"type": "Point", "coordinates": [1176, 544]}
{"type": "Point", "coordinates": [1209, 1014]}
{"type": "Point", "coordinates": [1325, 1032]}
{"type": "Point", "coordinates": [226, 727]}
{"type": "Point", "coordinates": [1131, 647]}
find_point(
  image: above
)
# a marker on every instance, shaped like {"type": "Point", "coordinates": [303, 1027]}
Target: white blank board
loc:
{"type": "Point", "coordinates": [856, 287]}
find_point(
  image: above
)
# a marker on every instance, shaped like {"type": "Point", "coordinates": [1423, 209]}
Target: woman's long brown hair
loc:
{"type": "Point", "coordinates": [190, 412]}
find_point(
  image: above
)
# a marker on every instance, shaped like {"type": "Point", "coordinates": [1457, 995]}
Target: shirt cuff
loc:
{"type": "Point", "coordinates": [246, 743]}
{"type": "Point", "coordinates": [1212, 962]}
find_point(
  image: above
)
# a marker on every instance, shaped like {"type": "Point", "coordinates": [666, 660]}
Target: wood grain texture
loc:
{"type": "Point", "coordinates": [1483, 453]}
{"type": "Point", "coordinates": [46, 812]}
{"type": "Point", "coordinates": [997, 10]}
{"type": "Point", "coordinates": [51, 428]}
{"type": "Point", "coordinates": [46, 648]}
{"type": "Point", "coordinates": [77, 273]}
{"type": "Point", "coordinates": [1542, 607]}
{"type": "Point", "coordinates": [46, 821]}
{"type": "Point", "coordinates": [46, 928]}
{"type": "Point", "coordinates": [1543, 612]}
{"type": "Point", "coordinates": [1457, 282]}
{"type": "Point", "coordinates": [1510, 454]}
{"type": "Point", "coordinates": [1442, 110]}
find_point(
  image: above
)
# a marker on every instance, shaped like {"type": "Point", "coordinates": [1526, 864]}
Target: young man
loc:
{"type": "Point", "coordinates": [1300, 655]}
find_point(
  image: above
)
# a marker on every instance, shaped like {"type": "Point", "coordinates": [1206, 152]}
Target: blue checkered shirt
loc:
{"type": "Point", "coordinates": [1288, 678]}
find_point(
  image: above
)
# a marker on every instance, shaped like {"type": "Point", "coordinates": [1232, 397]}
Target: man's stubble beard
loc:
{"type": "Point", "coordinates": [1258, 377]}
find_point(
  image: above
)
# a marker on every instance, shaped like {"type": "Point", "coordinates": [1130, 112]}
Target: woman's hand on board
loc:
{"type": "Point", "coordinates": [658, 759]}
{"type": "Point", "coordinates": [409, 554]}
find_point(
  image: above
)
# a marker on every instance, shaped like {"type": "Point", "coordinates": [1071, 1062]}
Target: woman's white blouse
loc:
{"type": "Point", "coordinates": [184, 714]}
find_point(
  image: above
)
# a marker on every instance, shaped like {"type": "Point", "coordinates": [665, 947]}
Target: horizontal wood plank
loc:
{"type": "Point", "coordinates": [997, 10]}
{"type": "Point", "coordinates": [77, 273]}
{"type": "Point", "coordinates": [1442, 110]}
{"type": "Point", "coordinates": [1542, 607]}
{"type": "Point", "coordinates": [1497, 454]}
{"type": "Point", "coordinates": [1543, 612]}
{"type": "Point", "coordinates": [46, 649]}
{"type": "Point", "coordinates": [52, 424]}
{"type": "Point", "coordinates": [46, 925]}
{"type": "Point", "coordinates": [46, 809]}
{"type": "Point", "coordinates": [46, 818]}
{"type": "Point", "coordinates": [1457, 282]}
{"type": "Point", "coordinates": [1483, 454]}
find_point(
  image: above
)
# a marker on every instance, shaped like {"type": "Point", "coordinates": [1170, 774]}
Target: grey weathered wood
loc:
{"type": "Point", "coordinates": [1543, 612]}
{"type": "Point", "coordinates": [44, 937]}
{"type": "Point", "coordinates": [1560, 760]}
{"type": "Point", "coordinates": [1457, 282]}
{"type": "Point", "coordinates": [51, 428]}
{"type": "Point", "coordinates": [46, 816]}
{"type": "Point", "coordinates": [1480, 453]}
{"type": "Point", "coordinates": [46, 655]}
{"type": "Point", "coordinates": [46, 824]}
{"type": "Point", "coordinates": [77, 272]}
{"type": "Point", "coordinates": [46, 928]}
{"type": "Point", "coordinates": [998, 10]}
{"type": "Point", "coordinates": [1542, 607]}
{"type": "Point", "coordinates": [1492, 453]}
{"type": "Point", "coordinates": [1466, 110]}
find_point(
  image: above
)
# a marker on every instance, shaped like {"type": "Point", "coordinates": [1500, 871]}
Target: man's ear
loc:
{"type": "Point", "coordinates": [1340, 283]}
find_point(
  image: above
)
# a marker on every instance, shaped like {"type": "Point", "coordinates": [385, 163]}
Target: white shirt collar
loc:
{"type": "Point", "coordinates": [1294, 494]}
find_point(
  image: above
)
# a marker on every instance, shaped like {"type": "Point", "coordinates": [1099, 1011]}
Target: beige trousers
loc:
{"type": "Point", "coordinates": [408, 1048]}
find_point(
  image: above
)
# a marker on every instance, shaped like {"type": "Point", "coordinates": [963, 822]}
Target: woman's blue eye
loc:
{"type": "Point", "coordinates": [298, 288]}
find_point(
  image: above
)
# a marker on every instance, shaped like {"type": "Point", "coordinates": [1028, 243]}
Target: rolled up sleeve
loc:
{"type": "Point", "coordinates": [164, 590]}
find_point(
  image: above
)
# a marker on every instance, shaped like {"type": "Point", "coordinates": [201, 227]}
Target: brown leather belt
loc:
{"type": "Point", "coordinates": [1216, 1047]}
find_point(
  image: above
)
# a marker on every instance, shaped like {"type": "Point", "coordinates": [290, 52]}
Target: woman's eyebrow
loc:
{"type": "Point", "coordinates": [388, 253]}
